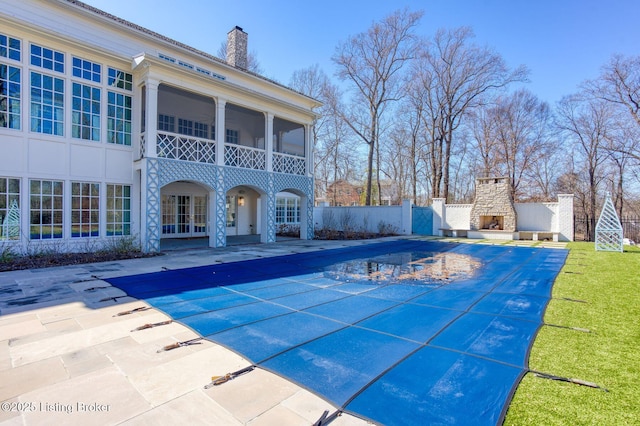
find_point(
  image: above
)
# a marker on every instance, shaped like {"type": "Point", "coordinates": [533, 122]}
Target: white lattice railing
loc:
{"type": "Point", "coordinates": [142, 145]}
{"type": "Point", "coordinates": [245, 157]}
{"type": "Point", "coordinates": [286, 163]}
{"type": "Point", "coordinates": [187, 148]}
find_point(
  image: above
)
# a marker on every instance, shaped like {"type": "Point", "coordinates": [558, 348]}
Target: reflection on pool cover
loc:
{"type": "Point", "coordinates": [401, 333]}
{"type": "Point", "coordinates": [407, 267]}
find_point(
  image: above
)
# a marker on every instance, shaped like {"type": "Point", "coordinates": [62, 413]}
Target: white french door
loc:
{"type": "Point", "coordinates": [232, 215]}
{"type": "Point", "coordinates": [184, 216]}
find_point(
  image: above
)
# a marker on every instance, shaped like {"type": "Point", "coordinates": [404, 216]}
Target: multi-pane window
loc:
{"type": "Point", "coordinates": [287, 210]}
{"type": "Point", "coordinates": [119, 79]}
{"type": "Point", "coordinates": [9, 97]}
{"type": "Point", "coordinates": [232, 136]}
{"type": "Point", "coordinates": [9, 208]}
{"type": "Point", "coordinates": [118, 118]}
{"type": "Point", "coordinates": [118, 210]}
{"type": "Point", "coordinates": [85, 112]}
{"type": "Point", "coordinates": [185, 127]}
{"type": "Point", "coordinates": [9, 47]}
{"type": "Point", "coordinates": [47, 104]}
{"type": "Point", "coordinates": [166, 123]}
{"type": "Point", "coordinates": [45, 209]}
{"type": "Point", "coordinates": [280, 210]}
{"type": "Point", "coordinates": [200, 130]}
{"type": "Point", "coordinates": [86, 69]}
{"type": "Point", "coordinates": [85, 209]}
{"type": "Point", "coordinates": [47, 58]}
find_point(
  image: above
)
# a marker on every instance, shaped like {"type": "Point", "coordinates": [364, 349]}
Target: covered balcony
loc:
{"type": "Point", "coordinates": [192, 127]}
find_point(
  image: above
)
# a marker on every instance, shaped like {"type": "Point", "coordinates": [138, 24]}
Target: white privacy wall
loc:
{"type": "Point", "coordinates": [537, 216]}
{"type": "Point", "coordinates": [362, 218]}
{"type": "Point", "coordinates": [457, 216]}
{"type": "Point", "coordinates": [542, 217]}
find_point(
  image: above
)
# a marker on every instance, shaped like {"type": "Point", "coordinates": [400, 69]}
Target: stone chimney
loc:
{"type": "Point", "coordinates": [237, 48]}
{"type": "Point", "coordinates": [493, 207]}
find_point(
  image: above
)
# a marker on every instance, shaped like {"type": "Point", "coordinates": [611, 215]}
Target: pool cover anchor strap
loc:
{"type": "Point", "coordinates": [569, 299]}
{"type": "Point", "coordinates": [568, 380]}
{"type": "Point", "coordinates": [100, 287]}
{"type": "Point", "coordinates": [84, 280]}
{"type": "Point", "coordinates": [325, 418]}
{"type": "Point", "coordinates": [583, 330]}
{"type": "Point", "coordinates": [131, 311]}
{"type": "Point", "coordinates": [196, 341]}
{"type": "Point", "coordinates": [218, 380]}
{"type": "Point", "coordinates": [112, 298]}
{"type": "Point", "coordinates": [151, 325]}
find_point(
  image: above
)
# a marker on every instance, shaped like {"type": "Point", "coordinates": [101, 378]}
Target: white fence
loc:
{"type": "Point", "coordinates": [396, 219]}
{"type": "Point", "coordinates": [556, 217]}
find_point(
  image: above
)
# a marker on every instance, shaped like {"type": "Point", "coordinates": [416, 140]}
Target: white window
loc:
{"type": "Point", "coordinates": [9, 208]}
{"type": "Point", "coordinates": [47, 104]}
{"type": "Point", "coordinates": [9, 97]}
{"type": "Point", "coordinates": [47, 58]}
{"type": "Point", "coordinates": [85, 112]}
{"type": "Point", "coordinates": [185, 127]}
{"type": "Point", "coordinates": [287, 210]}
{"type": "Point", "coordinates": [45, 209]}
{"type": "Point", "coordinates": [118, 210]}
{"type": "Point", "coordinates": [10, 47]}
{"type": "Point", "coordinates": [166, 123]}
{"type": "Point", "coordinates": [85, 209]}
{"type": "Point", "coordinates": [86, 69]}
{"type": "Point", "coordinates": [118, 118]}
{"type": "Point", "coordinates": [201, 130]}
{"type": "Point", "coordinates": [119, 79]}
{"type": "Point", "coordinates": [232, 136]}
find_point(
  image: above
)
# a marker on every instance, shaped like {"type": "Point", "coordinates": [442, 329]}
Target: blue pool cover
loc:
{"type": "Point", "coordinates": [406, 332]}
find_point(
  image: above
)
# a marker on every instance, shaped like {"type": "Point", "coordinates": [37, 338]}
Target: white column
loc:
{"type": "Point", "coordinates": [141, 178]}
{"type": "Point", "coordinates": [220, 130]}
{"type": "Point", "coordinates": [439, 218]}
{"type": "Point", "coordinates": [308, 149]}
{"type": "Point", "coordinates": [406, 217]}
{"type": "Point", "coordinates": [151, 120]}
{"type": "Point", "coordinates": [269, 142]}
{"type": "Point", "coordinates": [565, 217]}
{"type": "Point", "coordinates": [211, 218]}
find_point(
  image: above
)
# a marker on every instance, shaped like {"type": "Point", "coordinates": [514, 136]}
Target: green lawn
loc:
{"type": "Point", "coordinates": [608, 355]}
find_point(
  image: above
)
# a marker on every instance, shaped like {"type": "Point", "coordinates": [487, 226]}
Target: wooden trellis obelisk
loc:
{"type": "Point", "coordinates": [609, 230]}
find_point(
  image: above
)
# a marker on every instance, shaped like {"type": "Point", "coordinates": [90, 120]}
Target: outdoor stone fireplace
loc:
{"type": "Point", "coordinates": [493, 208]}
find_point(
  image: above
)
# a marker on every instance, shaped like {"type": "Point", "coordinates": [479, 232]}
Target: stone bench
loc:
{"type": "Point", "coordinates": [539, 235]}
{"type": "Point", "coordinates": [493, 234]}
{"type": "Point", "coordinates": [455, 233]}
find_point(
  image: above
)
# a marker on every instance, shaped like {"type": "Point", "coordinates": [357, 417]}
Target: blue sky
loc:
{"type": "Point", "coordinates": [562, 42]}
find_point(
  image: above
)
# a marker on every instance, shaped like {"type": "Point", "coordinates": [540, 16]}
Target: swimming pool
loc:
{"type": "Point", "coordinates": [403, 332]}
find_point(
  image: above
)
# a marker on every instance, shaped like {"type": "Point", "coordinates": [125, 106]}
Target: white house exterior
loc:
{"type": "Point", "coordinates": [108, 129]}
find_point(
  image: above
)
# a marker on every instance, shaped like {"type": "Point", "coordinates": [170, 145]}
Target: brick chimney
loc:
{"type": "Point", "coordinates": [237, 48]}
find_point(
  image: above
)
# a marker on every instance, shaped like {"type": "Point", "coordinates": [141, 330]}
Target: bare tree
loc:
{"type": "Point", "coordinates": [586, 122]}
{"type": "Point", "coordinates": [314, 83]}
{"type": "Point", "coordinates": [619, 85]}
{"type": "Point", "coordinates": [482, 124]}
{"type": "Point", "coordinates": [333, 155]}
{"type": "Point", "coordinates": [370, 62]}
{"type": "Point", "coordinates": [521, 129]}
{"type": "Point", "coordinates": [409, 123]}
{"type": "Point", "coordinates": [456, 77]}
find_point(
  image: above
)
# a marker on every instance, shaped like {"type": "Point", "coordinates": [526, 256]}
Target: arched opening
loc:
{"type": "Point", "coordinates": [291, 214]}
{"type": "Point", "coordinates": [243, 206]}
{"type": "Point", "coordinates": [184, 213]}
